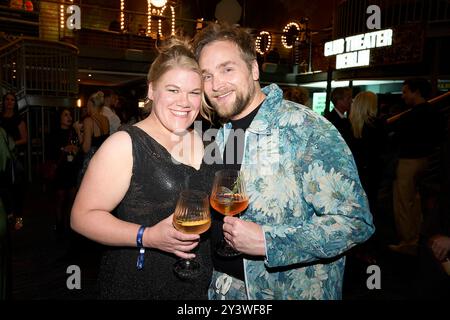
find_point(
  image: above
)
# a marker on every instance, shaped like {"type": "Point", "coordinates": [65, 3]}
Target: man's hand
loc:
{"type": "Point", "coordinates": [246, 237]}
{"type": "Point", "coordinates": [440, 245]}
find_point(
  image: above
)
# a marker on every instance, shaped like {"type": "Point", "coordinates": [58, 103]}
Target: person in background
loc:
{"type": "Point", "coordinates": [16, 128]}
{"type": "Point", "coordinates": [307, 206]}
{"type": "Point", "coordinates": [6, 156]}
{"type": "Point", "coordinates": [297, 94]}
{"type": "Point", "coordinates": [369, 147]}
{"type": "Point", "coordinates": [109, 110]}
{"type": "Point", "coordinates": [95, 129]}
{"type": "Point", "coordinates": [12, 122]}
{"type": "Point", "coordinates": [63, 150]}
{"type": "Point", "coordinates": [342, 101]}
{"type": "Point", "coordinates": [417, 134]}
{"type": "Point", "coordinates": [128, 111]}
{"type": "Point", "coordinates": [369, 142]}
{"type": "Point", "coordinates": [434, 243]}
{"type": "Point", "coordinates": [139, 173]}
{"type": "Point", "coordinates": [114, 25]}
{"type": "Point", "coordinates": [273, 56]}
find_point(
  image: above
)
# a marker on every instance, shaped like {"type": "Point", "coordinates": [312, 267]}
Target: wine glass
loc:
{"type": "Point", "coordinates": [229, 197]}
{"type": "Point", "coordinates": [191, 216]}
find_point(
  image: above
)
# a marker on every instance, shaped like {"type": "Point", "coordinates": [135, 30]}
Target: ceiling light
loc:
{"type": "Point", "coordinates": [158, 3]}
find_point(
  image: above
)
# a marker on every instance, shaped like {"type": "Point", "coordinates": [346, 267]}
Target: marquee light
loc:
{"type": "Point", "coordinates": [61, 16]}
{"type": "Point", "coordinates": [122, 15]}
{"type": "Point", "coordinates": [263, 34]}
{"type": "Point", "coordinates": [149, 17]}
{"type": "Point", "coordinates": [172, 26]}
{"type": "Point", "coordinates": [286, 31]}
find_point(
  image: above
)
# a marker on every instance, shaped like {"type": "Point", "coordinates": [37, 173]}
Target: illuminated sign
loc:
{"type": "Point", "coordinates": [319, 102]}
{"type": "Point", "coordinates": [354, 51]}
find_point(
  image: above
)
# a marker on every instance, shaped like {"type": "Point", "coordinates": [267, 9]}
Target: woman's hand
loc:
{"type": "Point", "coordinates": [165, 237]}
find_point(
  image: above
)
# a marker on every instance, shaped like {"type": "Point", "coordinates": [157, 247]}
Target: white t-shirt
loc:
{"type": "Point", "coordinates": [114, 120]}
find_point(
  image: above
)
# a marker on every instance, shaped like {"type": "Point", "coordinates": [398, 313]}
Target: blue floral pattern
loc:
{"type": "Point", "coordinates": [305, 192]}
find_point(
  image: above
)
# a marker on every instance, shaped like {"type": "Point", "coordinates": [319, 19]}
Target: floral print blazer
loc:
{"type": "Point", "coordinates": [305, 192]}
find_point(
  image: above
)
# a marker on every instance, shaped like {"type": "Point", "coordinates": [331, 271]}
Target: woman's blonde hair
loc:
{"type": "Point", "coordinates": [98, 100]}
{"type": "Point", "coordinates": [177, 53]}
{"type": "Point", "coordinates": [364, 110]}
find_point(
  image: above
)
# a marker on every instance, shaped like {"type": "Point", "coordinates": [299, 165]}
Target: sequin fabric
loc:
{"type": "Point", "coordinates": [154, 188]}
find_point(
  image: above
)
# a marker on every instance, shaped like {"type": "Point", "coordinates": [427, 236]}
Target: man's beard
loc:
{"type": "Point", "coordinates": [239, 105]}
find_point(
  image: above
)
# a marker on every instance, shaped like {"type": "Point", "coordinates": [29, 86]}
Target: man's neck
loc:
{"type": "Point", "coordinates": [419, 101]}
{"type": "Point", "coordinates": [340, 112]}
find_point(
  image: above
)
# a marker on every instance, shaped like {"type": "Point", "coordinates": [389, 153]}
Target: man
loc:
{"type": "Point", "coordinates": [108, 110]}
{"type": "Point", "coordinates": [417, 134]}
{"type": "Point", "coordinates": [307, 206]}
{"type": "Point", "coordinates": [342, 101]}
{"type": "Point", "coordinates": [434, 244]}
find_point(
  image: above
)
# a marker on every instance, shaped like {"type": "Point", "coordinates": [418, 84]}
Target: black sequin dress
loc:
{"type": "Point", "coordinates": [154, 188]}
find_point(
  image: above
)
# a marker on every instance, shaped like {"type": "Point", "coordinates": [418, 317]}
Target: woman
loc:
{"type": "Point", "coordinates": [369, 142]}
{"type": "Point", "coordinates": [12, 122]}
{"type": "Point", "coordinates": [368, 147]}
{"type": "Point", "coordinates": [138, 171]}
{"type": "Point", "coordinates": [64, 153]}
{"type": "Point", "coordinates": [95, 129]}
{"type": "Point", "coordinates": [16, 128]}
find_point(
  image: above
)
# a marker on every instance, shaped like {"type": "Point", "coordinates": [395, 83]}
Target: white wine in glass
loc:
{"type": "Point", "coordinates": [192, 216]}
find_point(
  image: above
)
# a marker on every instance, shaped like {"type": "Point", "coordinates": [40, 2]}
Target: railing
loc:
{"type": "Point", "coordinates": [351, 15]}
{"type": "Point", "coordinates": [19, 22]}
{"type": "Point", "coordinates": [431, 101]}
{"type": "Point", "coordinates": [31, 66]}
{"type": "Point", "coordinates": [113, 40]}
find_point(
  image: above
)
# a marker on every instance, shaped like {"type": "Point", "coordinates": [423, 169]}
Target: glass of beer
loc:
{"type": "Point", "coordinates": [228, 197]}
{"type": "Point", "coordinates": [192, 216]}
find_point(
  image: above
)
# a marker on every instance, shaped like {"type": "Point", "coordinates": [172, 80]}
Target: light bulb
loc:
{"type": "Point", "coordinates": [158, 3]}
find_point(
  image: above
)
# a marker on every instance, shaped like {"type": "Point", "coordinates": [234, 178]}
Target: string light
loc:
{"type": "Point", "coordinates": [61, 16]}
{"type": "Point", "coordinates": [122, 15]}
{"type": "Point", "coordinates": [286, 30]}
{"type": "Point", "coordinates": [160, 21]}
{"type": "Point", "coordinates": [149, 17]}
{"type": "Point", "coordinates": [259, 39]}
{"type": "Point", "coordinates": [172, 9]}
{"type": "Point", "coordinates": [14, 70]}
{"type": "Point", "coordinates": [160, 13]}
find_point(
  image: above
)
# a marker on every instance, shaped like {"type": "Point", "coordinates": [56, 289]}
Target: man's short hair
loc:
{"type": "Point", "coordinates": [226, 32]}
{"type": "Point", "coordinates": [419, 84]}
{"type": "Point", "coordinates": [340, 93]}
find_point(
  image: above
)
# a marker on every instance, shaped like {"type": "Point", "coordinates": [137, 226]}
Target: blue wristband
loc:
{"type": "Point", "coordinates": [140, 259]}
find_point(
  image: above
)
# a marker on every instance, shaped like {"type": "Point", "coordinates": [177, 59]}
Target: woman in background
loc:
{"type": "Point", "coordinates": [369, 141]}
{"type": "Point", "coordinates": [368, 146]}
{"type": "Point", "coordinates": [64, 153]}
{"type": "Point", "coordinates": [16, 128]}
{"type": "Point", "coordinates": [95, 129]}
